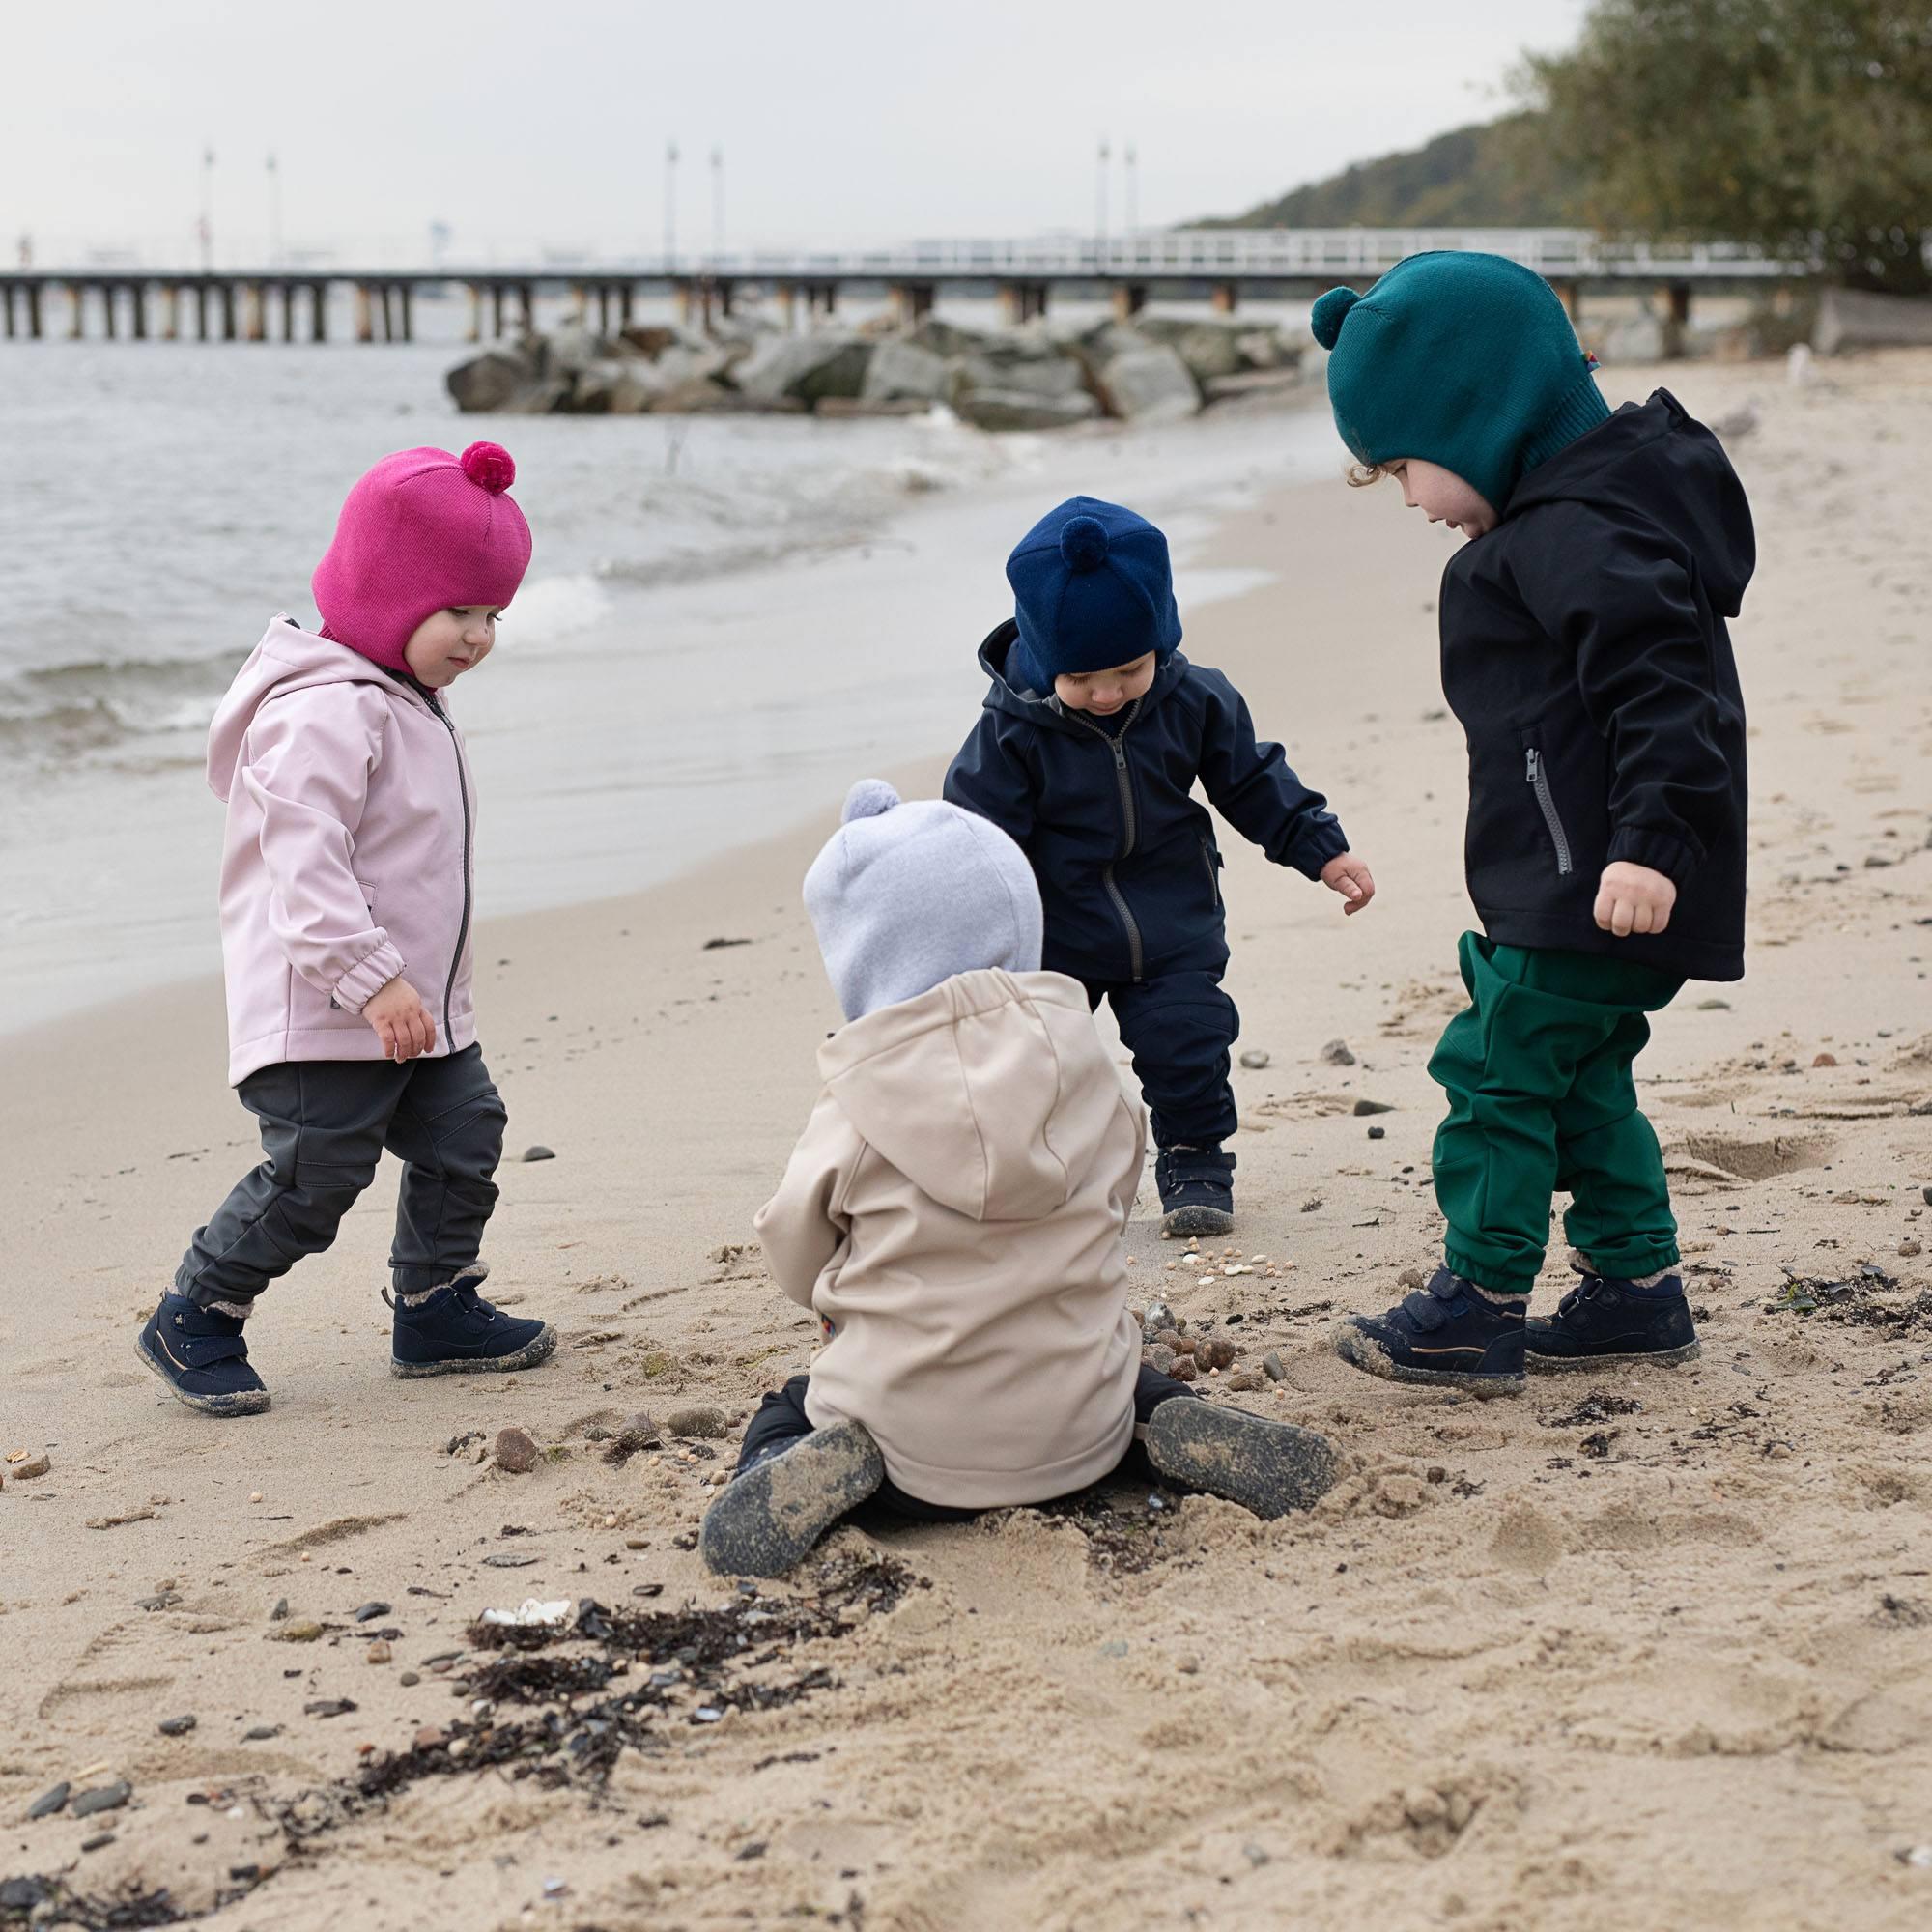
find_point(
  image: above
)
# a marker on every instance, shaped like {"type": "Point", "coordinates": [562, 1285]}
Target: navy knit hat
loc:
{"type": "Point", "coordinates": [1092, 589]}
{"type": "Point", "coordinates": [1461, 359]}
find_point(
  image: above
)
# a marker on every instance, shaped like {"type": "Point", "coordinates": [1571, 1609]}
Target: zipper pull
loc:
{"type": "Point", "coordinates": [1120, 754]}
{"type": "Point", "coordinates": [1533, 765]}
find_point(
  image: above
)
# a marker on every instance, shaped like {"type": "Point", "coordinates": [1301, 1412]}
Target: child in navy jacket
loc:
{"type": "Point", "coordinates": [1094, 731]}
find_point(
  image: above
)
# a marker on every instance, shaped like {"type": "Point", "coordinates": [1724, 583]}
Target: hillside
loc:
{"type": "Point", "coordinates": [1487, 175]}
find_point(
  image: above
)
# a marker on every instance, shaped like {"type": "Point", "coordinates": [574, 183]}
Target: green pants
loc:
{"type": "Point", "coordinates": [1538, 1073]}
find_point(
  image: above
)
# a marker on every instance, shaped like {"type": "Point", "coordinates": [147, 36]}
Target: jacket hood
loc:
{"type": "Point", "coordinates": [1654, 462]}
{"type": "Point", "coordinates": [287, 658]}
{"type": "Point", "coordinates": [1042, 708]}
{"type": "Point", "coordinates": [985, 1093]}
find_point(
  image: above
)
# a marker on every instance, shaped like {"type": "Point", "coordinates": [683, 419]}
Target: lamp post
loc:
{"type": "Point", "coordinates": [1100, 202]}
{"type": "Point", "coordinates": [670, 207]}
{"type": "Point", "coordinates": [717, 204]}
{"type": "Point", "coordinates": [206, 208]}
{"type": "Point", "coordinates": [1133, 210]}
{"type": "Point", "coordinates": [274, 213]}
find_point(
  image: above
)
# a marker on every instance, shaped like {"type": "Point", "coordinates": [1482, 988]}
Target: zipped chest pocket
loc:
{"type": "Point", "coordinates": [1537, 775]}
{"type": "Point", "coordinates": [1208, 859]}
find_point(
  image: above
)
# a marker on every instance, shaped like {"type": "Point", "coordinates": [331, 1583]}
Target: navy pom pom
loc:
{"type": "Point", "coordinates": [1328, 314]}
{"type": "Point", "coordinates": [1083, 543]}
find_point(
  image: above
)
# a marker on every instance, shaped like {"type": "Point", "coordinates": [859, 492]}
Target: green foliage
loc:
{"type": "Point", "coordinates": [1485, 176]}
{"type": "Point", "coordinates": [1803, 126]}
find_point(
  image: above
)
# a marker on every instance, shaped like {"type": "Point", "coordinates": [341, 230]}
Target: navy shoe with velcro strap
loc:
{"type": "Point", "coordinates": [202, 1357]}
{"type": "Point", "coordinates": [453, 1330]}
{"type": "Point", "coordinates": [1604, 1321]}
{"type": "Point", "coordinates": [1447, 1333]}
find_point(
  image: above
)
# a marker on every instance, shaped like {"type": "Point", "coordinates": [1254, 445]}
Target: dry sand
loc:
{"type": "Point", "coordinates": [1646, 1649]}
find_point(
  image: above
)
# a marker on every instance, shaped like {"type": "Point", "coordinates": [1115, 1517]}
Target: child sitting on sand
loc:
{"type": "Point", "coordinates": [952, 1213]}
{"type": "Point", "coordinates": [346, 900]}
{"type": "Point", "coordinates": [1093, 735]}
{"type": "Point", "coordinates": [1584, 651]}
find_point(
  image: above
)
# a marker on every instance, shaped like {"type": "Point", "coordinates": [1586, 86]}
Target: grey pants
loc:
{"type": "Point", "coordinates": [325, 1123]}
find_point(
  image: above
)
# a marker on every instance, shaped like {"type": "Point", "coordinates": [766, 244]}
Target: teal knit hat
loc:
{"type": "Point", "coordinates": [1461, 359]}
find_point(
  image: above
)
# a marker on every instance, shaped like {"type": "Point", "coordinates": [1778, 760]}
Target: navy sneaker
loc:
{"type": "Point", "coordinates": [768, 1516]}
{"type": "Point", "coordinates": [1603, 1321]}
{"type": "Point", "coordinates": [202, 1357]}
{"type": "Point", "coordinates": [455, 1330]}
{"type": "Point", "coordinates": [1445, 1333]}
{"type": "Point", "coordinates": [1197, 1190]}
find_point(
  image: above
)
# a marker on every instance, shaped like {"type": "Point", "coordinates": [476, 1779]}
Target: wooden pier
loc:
{"type": "Point", "coordinates": [1223, 267]}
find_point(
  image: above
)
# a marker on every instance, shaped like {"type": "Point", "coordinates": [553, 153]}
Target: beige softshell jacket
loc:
{"type": "Point", "coordinates": [953, 1213]}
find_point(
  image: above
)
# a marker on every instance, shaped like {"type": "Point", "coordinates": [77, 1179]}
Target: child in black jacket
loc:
{"type": "Point", "coordinates": [1584, 651]}
{"type": "Point", "coordinates": [1094, 735]}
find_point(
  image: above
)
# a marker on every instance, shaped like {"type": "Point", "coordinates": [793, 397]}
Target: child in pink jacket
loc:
{"type": "Point", "coordinates": [347, 877]}
{"type": "Point", "coordinates": [953, 1215]}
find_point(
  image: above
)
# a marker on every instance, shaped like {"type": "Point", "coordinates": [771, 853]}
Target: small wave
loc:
{"type": "Point", "coordinates": [550, 609]}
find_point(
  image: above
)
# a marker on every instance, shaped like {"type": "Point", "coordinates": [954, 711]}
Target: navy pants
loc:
{"type": "Point", "coordinates": [325, 1124]}
{"type": "Point", "coordinates": [782, 1420]}
{"type": "Point", "coordinates": [1179, 1028]}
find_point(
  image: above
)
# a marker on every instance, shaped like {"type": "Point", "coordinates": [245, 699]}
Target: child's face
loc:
{"type": "Point", "coordinates": [448, 643]}
{"type": "Point", "coordinates": [1105, 692]}
{"type": "Point", "coordinates": [1442, 496]}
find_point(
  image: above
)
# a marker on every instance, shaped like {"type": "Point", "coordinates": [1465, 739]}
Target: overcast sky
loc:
{"type": "Point", "coordinates": [840, 121]}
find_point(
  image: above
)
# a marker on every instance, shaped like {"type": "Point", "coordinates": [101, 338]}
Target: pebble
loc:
{"type": "Point", "coordinates": [1244, 1383]}
{"type": "Point", "coordinates": [1160, 1316]}
{"type": "Point", "coordinates": [1336, 1053]}
{"type": "Point", "coordinates": [638, 1431]}
{"type": "Point", "coordinates": [1187, 1665]}
{"type": "Point", "coordinates": [176, 1727]}
{"type": "Point", "coordinates": [1373, 1107]}
{"type": "Point", "coordinates": [103, 1797]}
{"type": "Point", "coordinates": [260, 1733]}
{"type": "Point", "coordinates": [369, 1612]}
{"type": "Point", "coordinates": [1214, 1351]}
{"type": "Point", "coordinates": [1378, 1133]}
{"type": "Point", "coordinates": [430, 1738]}
{"type": "Point", "coordinates": [515, 1452]}
{"type": "Point", "coordinates": [1174, 1342]}
{"type": "Point", "coordinates": [700, 1421]}
{"type": "Point", "coordinates": [1713, 1005]}
{"type": "Point", "coordinates": [26, 1472]}
{"type": "Point", "coordinates": [1911, 1246]}
{"type": "Point", "coordinates": [1273, 1369]}
{"type": "Point", "coordinates": [1182, 1369]}
{"type": "Point", "coordinates": [1824, 1060]}
{"type": "Point", "coordinates": [1158, 1358]}
{"type": "Point", "coordinates": [280, 1611]}
{"type": "Point", "coordinates": [1255, 1059]}
{"type": "Point", "coordinates": [408, 1680]}
{"type": "Point", "coordinates": [377, 1653]}
{"type": "Point", "coordinates": [305, 1629]}
{"type": "Point", "coordinates": [254, 1496]}
{"type": "Point", "coordinates": [98, 1839]}
{"type": "Point", "coordinates": [539, 1153]}
{"type": "Point", "coordinates": [1927, 1193]}
{"type": "Point", "coordinates": [49, 1802]}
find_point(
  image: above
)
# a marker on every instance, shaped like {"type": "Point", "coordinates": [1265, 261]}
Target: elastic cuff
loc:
{"type": "Point", "coordinates": [1631, 1263]}
{"type": "Point", "coordinates": [368, 977]}
{"type": "Point", "coordinates": [1486, 1277]}
{"type": "Point", "coordinates": [1662, 851]}
{"type": "Point", "coordinates": [1315, 849]}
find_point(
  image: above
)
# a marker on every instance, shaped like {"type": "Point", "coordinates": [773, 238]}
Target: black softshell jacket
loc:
{"type": "Point", "coordinates": [1584, 651]}
{"type": "Point", "coordinates": [1128, 869]}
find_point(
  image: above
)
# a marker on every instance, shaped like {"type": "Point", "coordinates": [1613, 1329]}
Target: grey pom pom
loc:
{"type": "Point", "coordinates": [868, 799]}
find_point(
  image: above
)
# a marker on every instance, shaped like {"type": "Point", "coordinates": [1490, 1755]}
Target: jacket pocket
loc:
{"type": "Point", "coordinates": [1536, 774]}
{"type": "Point", "coordinates": [1212, 860]}
{"type": "Point", "coordinates": [368, 893]}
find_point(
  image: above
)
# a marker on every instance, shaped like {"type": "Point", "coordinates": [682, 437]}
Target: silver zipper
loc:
{"type": "Point", "coordinates": [462, 930]}
{"type": "Point", "coordinates": [1538, 783]}
{"type": "Point", "coordinates": [1117, 745]}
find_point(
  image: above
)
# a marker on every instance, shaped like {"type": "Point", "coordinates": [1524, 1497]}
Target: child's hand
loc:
{"type": "Point", "coordinates": [1633, 898]}
{"type": "Point", "coordinates": [402, 1022]}
{"type": "Point", "coordinates": [1344, 873]}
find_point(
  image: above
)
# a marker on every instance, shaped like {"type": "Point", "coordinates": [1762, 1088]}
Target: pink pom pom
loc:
{"type": "Point", "coordinates": [490, 465]}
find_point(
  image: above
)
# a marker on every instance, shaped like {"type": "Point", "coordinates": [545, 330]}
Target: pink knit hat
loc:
{"type": "Point", "coordinates": [422, 531]}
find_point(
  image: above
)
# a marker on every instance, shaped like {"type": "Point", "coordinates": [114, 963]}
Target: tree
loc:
{"type": "Point", "coordinates": [1802, 125]}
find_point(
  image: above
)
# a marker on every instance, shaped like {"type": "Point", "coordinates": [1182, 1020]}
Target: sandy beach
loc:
{"type": "Point", "coordinates": [1649, 1649]}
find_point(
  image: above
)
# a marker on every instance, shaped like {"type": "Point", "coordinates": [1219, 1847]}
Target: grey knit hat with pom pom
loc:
{"type": "Point", "coordinates": [906, 895]}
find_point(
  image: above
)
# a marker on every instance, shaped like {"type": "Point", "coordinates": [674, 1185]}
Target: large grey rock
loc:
{"type": "Point", "coordinates": [626, 389]}
{"type": "Point", "coordinates": [1209, 349]}
{"type": "Point", "coordinates": [1052, 377]}
{"type": "Point", "coordinates": [1015, 409]}
{"type": "Point", "coordinates": [946, 338]}
{"type": "Point", "coordinates": [1150, 386]}
{"type": "Point", "coordinates": [901, 370]}
{"type": "Point", "coordinates": [1856, 319]}
{"type": "Point", "coordinates": [571, 349]}
{"type": "Point", "coordinates": [804, 368]}
{"type": "Point", "coordinates": [1251, 382]}
{"type": "Point", "coordinates": [490, 381]}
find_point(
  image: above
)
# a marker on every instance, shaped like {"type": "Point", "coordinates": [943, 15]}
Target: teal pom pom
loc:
{"type": "Point", "coordinates": [1082, 544]}
{"type": "Point", "coordinates": [1328, 314]}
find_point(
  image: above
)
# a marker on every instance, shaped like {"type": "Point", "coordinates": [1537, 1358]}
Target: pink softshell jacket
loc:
{"type": "Point", "coordinates": [348, 854]}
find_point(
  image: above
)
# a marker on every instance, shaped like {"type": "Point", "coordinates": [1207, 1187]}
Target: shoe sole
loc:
{"type": "Point", "coordinates": [540, 1347]}
{"type": "Point", "coordinates": [1648, 1357]}
{"type": "Point", "coordinates": [1271, 1467]}
{"type": "Point", "coordinates": [768, 1520]}
{"type": "Point", "coordinates": [1198, 1221]}
{"type": "Point", "coordinates": [252, 1402]}
{"type": "Point", "coordinates": [1364, 1352]}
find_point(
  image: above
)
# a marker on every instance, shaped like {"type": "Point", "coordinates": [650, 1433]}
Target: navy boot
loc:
{"type": "Point", "coordinates": [1604, 1321]}
{"type": "Point", "coordinates": [201, 1355]}
{"type": "Point", "coordinates": [1197, 1190]}
{"type": "Point", "coordinates": [1446, 1333]}
{"type": "Point", "coordinates": [453, 1330]}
